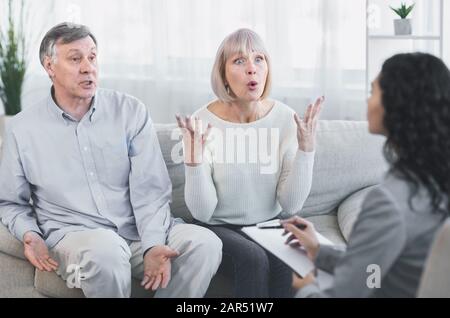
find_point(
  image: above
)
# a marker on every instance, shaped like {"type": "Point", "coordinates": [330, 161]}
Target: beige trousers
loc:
{"type": "Point", "coordinates": [102, 263]}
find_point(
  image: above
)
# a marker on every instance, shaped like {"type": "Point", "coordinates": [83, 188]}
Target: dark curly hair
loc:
{"type": "Point", "coordinates": [416, 99]}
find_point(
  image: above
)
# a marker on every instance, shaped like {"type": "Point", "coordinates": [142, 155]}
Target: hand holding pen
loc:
{"type": "Point", "coordinates": [302, 231]}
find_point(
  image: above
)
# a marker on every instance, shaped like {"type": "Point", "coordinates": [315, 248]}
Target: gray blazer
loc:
{"type": "Point", "coordinates": [387, 248]}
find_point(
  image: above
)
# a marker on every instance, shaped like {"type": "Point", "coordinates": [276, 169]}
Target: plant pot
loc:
{"type": "Point", "coordinates": [402, 26]}
{"type": "Point", "coordinates": [4, 119]}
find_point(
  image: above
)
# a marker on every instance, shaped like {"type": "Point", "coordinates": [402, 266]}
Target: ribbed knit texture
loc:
{"type": "Point", "coordinates": [232, 190]}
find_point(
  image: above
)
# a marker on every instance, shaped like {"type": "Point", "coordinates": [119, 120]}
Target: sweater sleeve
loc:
{"type": "Point", "coordinates": [295, 180]}
{"type": "Point", "coordinates": [200, 192]}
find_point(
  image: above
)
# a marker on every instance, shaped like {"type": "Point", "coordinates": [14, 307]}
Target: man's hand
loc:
{"type": "Point", "coordinates": [157, 267]}
{"type": "Point", "coordinates": [36, 252]}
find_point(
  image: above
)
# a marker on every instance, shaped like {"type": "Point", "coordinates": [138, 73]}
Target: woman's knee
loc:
{"type": "Point", "coordinates": [253, 257]}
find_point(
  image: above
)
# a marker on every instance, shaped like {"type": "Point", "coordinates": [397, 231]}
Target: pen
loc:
{"type": "Point", "coordinates": [279, 226]}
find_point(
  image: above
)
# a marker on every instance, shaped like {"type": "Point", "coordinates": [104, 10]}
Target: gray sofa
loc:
{"type": "Point", "coordinates": [435, 281]}
{"type": "Point", "coordinates": [348, 164]}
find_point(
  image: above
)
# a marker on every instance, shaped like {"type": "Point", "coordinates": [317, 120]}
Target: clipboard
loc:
{"type": "Point", "coordinates": [272, 240]}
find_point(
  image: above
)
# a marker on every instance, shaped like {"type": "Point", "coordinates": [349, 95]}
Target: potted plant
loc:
{"type": "Point", "coordinates": [12, 65]}
{"type": "Point", "coordinates": [402, 26]}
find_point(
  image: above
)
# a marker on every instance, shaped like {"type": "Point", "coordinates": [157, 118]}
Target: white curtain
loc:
{"type": "Point", "coordinates": [162, 51]}
{"type": "Point", "coordinates": [447, 34]}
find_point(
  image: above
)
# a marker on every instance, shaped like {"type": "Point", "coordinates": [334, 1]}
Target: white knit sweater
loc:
{"type": "Point", "coordinates": [237, 183]}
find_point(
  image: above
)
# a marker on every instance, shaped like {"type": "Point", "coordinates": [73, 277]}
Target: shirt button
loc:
{"type": "Point", "coordinates": [91, 174]}
{"type": "Point", "coordinates": [85, 148]}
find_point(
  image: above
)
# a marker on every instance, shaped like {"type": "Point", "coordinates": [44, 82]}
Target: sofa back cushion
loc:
{"type": "Point", "coordinates": [349, 210]}
{"type": "Point", "coordinates": [170, 142]}
{"type": "Point", "coordinates": [348, 158]}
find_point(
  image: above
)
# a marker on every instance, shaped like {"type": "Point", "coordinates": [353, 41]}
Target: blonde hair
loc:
{"type": "Point", "coordinates": [242, 41]}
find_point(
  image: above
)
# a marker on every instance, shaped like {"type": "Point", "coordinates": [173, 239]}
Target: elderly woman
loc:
{"type": "Point", "coordinates": [268, 170]}
{"type": "Point", "coordinates": [409, 104]}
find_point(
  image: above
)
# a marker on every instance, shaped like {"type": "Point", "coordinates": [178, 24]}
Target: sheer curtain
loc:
{"type": "Point", "coordinates": [162, 51]}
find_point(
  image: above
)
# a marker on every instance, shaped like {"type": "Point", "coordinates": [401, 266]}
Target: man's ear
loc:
{"type": "Point", "coordinates": [48, 65]}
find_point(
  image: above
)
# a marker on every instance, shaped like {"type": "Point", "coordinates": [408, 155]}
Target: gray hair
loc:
{"type": "Point", "coordinates": [240, 41]}
{"type": "Point", "coordinates": [65, 32]}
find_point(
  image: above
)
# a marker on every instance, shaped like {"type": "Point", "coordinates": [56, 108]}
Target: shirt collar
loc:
{"type": "Point", "coordinates": [62, 115]}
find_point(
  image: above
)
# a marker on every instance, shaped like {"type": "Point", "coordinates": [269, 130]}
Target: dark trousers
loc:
{"type": "Point", "coordinates": [254, 271]}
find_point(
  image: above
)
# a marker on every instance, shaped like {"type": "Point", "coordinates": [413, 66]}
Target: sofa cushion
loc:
{"type": "Point", "coordinates": [435, 281]}
{"type": "Point", "coordinates": [349, 210]}
{"type": "Point", "coordinates": [51, 285]}
{"type": "Point", "coordinates": [171, 148]}
{"type": "Point", "coordinates": [327, 225]}
{"type": "Point", "coordinates": [348, 158]}
{"type": "Point", "coordinates": [9, 244]}
{"type": "Point", "coordinates": [16, 277]}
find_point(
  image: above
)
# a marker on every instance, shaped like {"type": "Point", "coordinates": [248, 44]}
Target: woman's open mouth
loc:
{"type": "Point", "coordinates": [252, 85]}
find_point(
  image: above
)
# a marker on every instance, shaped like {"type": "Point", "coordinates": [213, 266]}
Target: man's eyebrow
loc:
{"type": "Point", "coordinates": [94, 48]}
{"type": "Point", "coordinates": [74, 51]}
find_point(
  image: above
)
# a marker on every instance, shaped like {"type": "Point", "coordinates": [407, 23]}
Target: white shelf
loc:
{"type": "Point", "coordinates": [405, 37]}
{"type": "Point", "coordinates": [430, 38]}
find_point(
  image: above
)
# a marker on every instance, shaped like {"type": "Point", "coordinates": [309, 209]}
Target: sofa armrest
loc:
{"type": "Point", "coordinates": [16, 277]}
{"type": "Point", "coordinates": [349, 210]}
{"type": "Point", "coordinates": [9, 244]}
{"type": "Point", "coordinates": [435, 281]}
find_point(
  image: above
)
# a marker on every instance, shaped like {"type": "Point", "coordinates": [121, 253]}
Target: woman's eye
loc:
{"type": "Point", "coordinates": [239, 61]}
{"type": "Point", "coordinates": [259, 59]}
{"type": "Point", "coordinates": [75, 59]}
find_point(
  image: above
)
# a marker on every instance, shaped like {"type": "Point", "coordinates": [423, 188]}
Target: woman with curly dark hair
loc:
{"type": "Point", "coordinates": [390, 241]}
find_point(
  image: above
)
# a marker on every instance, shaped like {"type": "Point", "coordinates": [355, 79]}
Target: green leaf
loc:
{"type": "Point", "coordinates": [403, 11]}
{"type": "Point", "coordinates": [12, 63]}
{"type": "Point", "coordinates": [409, 9]}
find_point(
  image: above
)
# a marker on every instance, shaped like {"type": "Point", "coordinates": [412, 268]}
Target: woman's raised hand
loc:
{"type": "Point", "coordinates": [194, 139]}
{"type": "Point", "coordinates": [306, 127]}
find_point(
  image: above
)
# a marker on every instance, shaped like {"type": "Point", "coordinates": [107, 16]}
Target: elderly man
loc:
{"type": "Point", "coordinates": [90, 162]}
